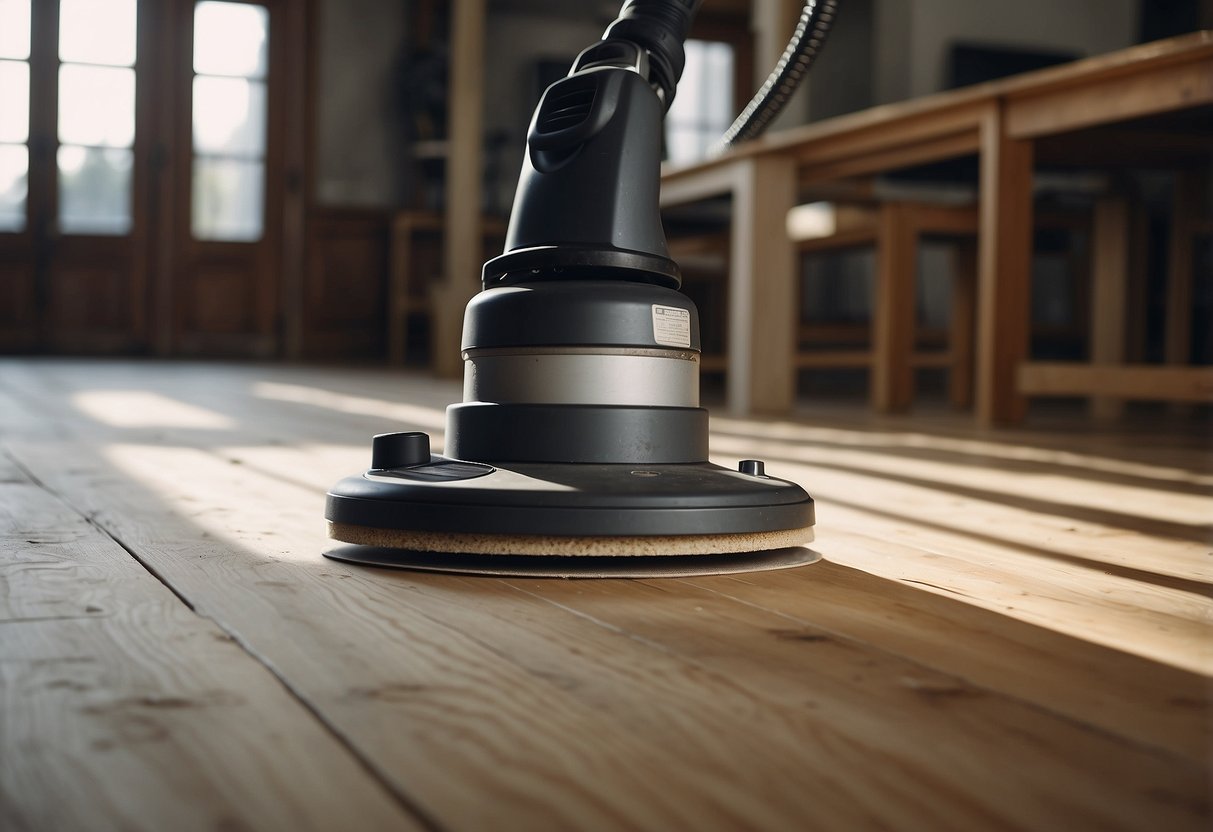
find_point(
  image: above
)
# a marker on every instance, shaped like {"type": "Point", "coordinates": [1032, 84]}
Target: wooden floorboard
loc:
{"type": "Point", "coordinates": [122, 709]}
{"type": "Point", "coordinates": [1006, 631]}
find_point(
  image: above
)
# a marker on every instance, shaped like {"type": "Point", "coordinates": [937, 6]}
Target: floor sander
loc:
{"type": "Point", "coordinates": [580, 447]}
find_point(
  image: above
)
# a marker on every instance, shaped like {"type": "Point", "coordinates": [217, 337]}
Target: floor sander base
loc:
{"type": "Point", "coordinates": [570, 519]}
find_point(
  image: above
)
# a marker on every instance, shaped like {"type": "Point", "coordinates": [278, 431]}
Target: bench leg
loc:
{"type": "Point", "coordinates": [964, 307]}
{"type": "Point", "coordinates": [894, 318]}
{"type": "Point", "coordinates": [1109, 294]}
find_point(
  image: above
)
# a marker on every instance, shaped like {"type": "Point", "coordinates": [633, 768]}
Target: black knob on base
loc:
{"type": "Point", "coordinates": [399, 450]}
{"type": "Point", "coordinates": [753, 467]}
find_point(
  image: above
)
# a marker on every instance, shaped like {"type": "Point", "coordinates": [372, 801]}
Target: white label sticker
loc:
{"type": "Point", "coordinates": [671, 326]}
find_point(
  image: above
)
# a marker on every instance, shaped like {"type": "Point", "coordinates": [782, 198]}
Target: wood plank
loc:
{"type": "Point", "coordinates": [951, 110]}
{"type": "Point", "coordinates": [121, 708]}
{"type": "Point", "coordinates": [817, 359]}
{"type": "Point", "coordinates": [1004, 271]}
{"type": "Point", "coordinates": [904, 154]}
{"type": "Point", "coordinates": [697, 718]}
{"type": "Point", "coordinates": [1109, 294]}
{"type": "Point", "coordinates": [961, 330]}
{"type": "Point", "coordinates": [959, 220]}
{"type": "Point", "coordinates": [839, 241]}
{"type": "Point", "coordinates": [679, 187]}
{"type": "Point", "coordinates": [894, 310]}
{"type": "Point", "coordinates": [657, 709]}
{"type": "Point", "coordinates": [1148, 90]}
{"type": "Point", "coordinates": [989, 651]}
{"type": "Point", "coordinates": [464, 171]}
{"type": "Point", "coordinates": [776, 605]}
{"type": "Point", "coordinates": [1177, 327]}
{"type": "Point", "coordinates": [828, 358]}
{"type": "Point", "coordinates": [1142, 382]}
{"type": "Point", "coordinates": [763, 289]}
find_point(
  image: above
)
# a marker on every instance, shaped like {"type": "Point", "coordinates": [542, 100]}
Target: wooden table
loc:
{"type": "Point", "coordinates": [1000, 121]}
{"type": "Point", "coordinates": [1006, 631]}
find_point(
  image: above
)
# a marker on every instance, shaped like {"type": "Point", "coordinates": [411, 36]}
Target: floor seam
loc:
{"type": "Point", "coordinates": [420, 815]}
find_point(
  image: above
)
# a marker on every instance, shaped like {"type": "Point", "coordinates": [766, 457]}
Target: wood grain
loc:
{"type": "Point", "coordinates": [121, 708]}
{"type": "Point", "coordinates": [960, 660]}
{"type": "Point", "coordinates": [1004, 271]}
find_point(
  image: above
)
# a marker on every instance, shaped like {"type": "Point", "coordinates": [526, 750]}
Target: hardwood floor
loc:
{"type": "Point", "coordinates": [1007, 630]}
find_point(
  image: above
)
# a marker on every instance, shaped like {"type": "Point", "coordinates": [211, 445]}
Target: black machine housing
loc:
{"type": "Point", "coordinates": [581, 411]}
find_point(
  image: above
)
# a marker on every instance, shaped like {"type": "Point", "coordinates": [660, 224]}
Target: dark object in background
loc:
{"type": "Point", "coordinates": [970, 63]}
{"type": "Point", "coordinates": [1167, 18]}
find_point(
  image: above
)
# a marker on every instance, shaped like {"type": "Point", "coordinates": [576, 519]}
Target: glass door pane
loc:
{"type": "Point", "coordinates": [14, 113]}
{"type": "Point", "coordinates": [96, 115]}
{"type": "Point", "coordinates": [229, 121]}
{"type": "Point", "coordinates": [703, 108]}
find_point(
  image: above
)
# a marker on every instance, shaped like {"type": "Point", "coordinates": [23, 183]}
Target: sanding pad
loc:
{"type": "Point", "coordinates": [577, 566]}
{"type": "Point", "coordinates": [482, 543]}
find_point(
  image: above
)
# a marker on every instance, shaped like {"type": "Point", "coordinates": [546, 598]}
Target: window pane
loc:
{"type": "Point", "coordinates": [230, 39]}
{"type": "Point", "coordinates": [14, 34]}
{"type": "Point", "coordinates": [97, 31]}
{"type": "Point", "coordinates": [94, 190]}
{"type": "Point", "coordinates": [14, 173]}
{"type": "Point", "coordinates": [229, 116]}
{"type": "Point", "coordinates": [96, 105]}
{"type": "Point", "coordinates": [718, 70]}
{"type": "Point", "coordinates": [703, 106]}
{"type": "Point", "coordinates": [683, 145]}
{"type": "Point", "coordinates": [14, 101]}
{"type": "Point", "coordinates": [228, 197]}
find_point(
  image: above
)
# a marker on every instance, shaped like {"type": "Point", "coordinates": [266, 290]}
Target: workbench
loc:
{"type": "Point", "coordinates": [1005, 629]}
{"type": "Point", "coordinates": [1002, 123]}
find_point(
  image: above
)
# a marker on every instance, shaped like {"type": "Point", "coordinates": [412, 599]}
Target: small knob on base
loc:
{"type": "Point", "coordinates": [399, 450]}
{"type": "Point", "coordinates": [753, 467]}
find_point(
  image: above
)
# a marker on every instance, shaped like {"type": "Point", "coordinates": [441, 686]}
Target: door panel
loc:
{"type": "Point", "coordinates": [229, 215]}
{"type": "Point", "coordinates": [18, 295]}
{"type": "Point", "coordinates": [95, 269]}
{"type": "Point", "coordinates": [142, 175]}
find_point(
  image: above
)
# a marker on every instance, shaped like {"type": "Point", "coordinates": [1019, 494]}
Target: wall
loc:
{"type": "Point", "coordinates": [516, 40]}
{"type": "Point", "coordinates": [357, 119]}
{"type": "Point", "coordinates": [841, 79]}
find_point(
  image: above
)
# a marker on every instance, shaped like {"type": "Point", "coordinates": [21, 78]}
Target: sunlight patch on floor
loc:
{"type": "Point", "coordinates": [408, 414]}
{"type": "Point", "coordinates": [873, 440]}
{"type": "Point", "coordinates": [145, 409]}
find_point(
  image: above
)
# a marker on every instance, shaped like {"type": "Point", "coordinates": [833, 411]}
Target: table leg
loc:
{"type": "Point", "coordinates": [462, 237]}
{"type": "Point", "coordinates": [964, 301]}
{"type": "Point", "coordinates": [1004, 271]}
{"type": "Point", "coordinates": [1109, 294]}
{"type": "Point", "coordinates": [894, 310]}
{"type": "Point", "coordinates": [762, 283]}
{"type": "Point", "coordinates": [1178, 325]}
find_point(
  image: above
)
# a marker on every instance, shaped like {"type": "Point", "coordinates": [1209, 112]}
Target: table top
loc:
{"type": "Point", "coordinates": [1006, 629]}
{"type": "Point", "coordinates": [806, 141]}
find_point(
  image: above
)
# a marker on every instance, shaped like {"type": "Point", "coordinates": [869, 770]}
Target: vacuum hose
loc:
{"type": "Point", "coordinates": [802, 50]}
{"type": "Point", "coordinates": [660, 27]}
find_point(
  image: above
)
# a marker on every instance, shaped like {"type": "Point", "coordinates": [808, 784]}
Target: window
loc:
{"type": "Point", "coordinates": [14, 112]}
{"type": "Point", "coordinates": [229, 121]}
{"type": "Point", "coordinates": [703, 106]}
{"type": "Point", "coordinates": [96, 115]}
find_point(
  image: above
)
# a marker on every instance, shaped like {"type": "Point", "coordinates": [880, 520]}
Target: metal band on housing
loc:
{"type": "Point", "coordinates": [582, 375]}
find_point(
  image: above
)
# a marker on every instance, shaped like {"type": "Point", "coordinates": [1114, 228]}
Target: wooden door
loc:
{"type": "Point", "coordinates": [142, 174]}
{"type": "Point", "coordinates": [227, 291]}
{"type": "Point", "coordinates": [73, 177]}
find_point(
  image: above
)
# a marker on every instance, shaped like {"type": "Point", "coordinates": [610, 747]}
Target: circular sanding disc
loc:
{"type": "Point", "coordinates": [577, 566]}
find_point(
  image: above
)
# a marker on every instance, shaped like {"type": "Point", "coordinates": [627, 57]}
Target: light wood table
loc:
{"type": "Point", "coordinates": [1006, 631]}
{"type": "Point", "coordinates": [999, 121]}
